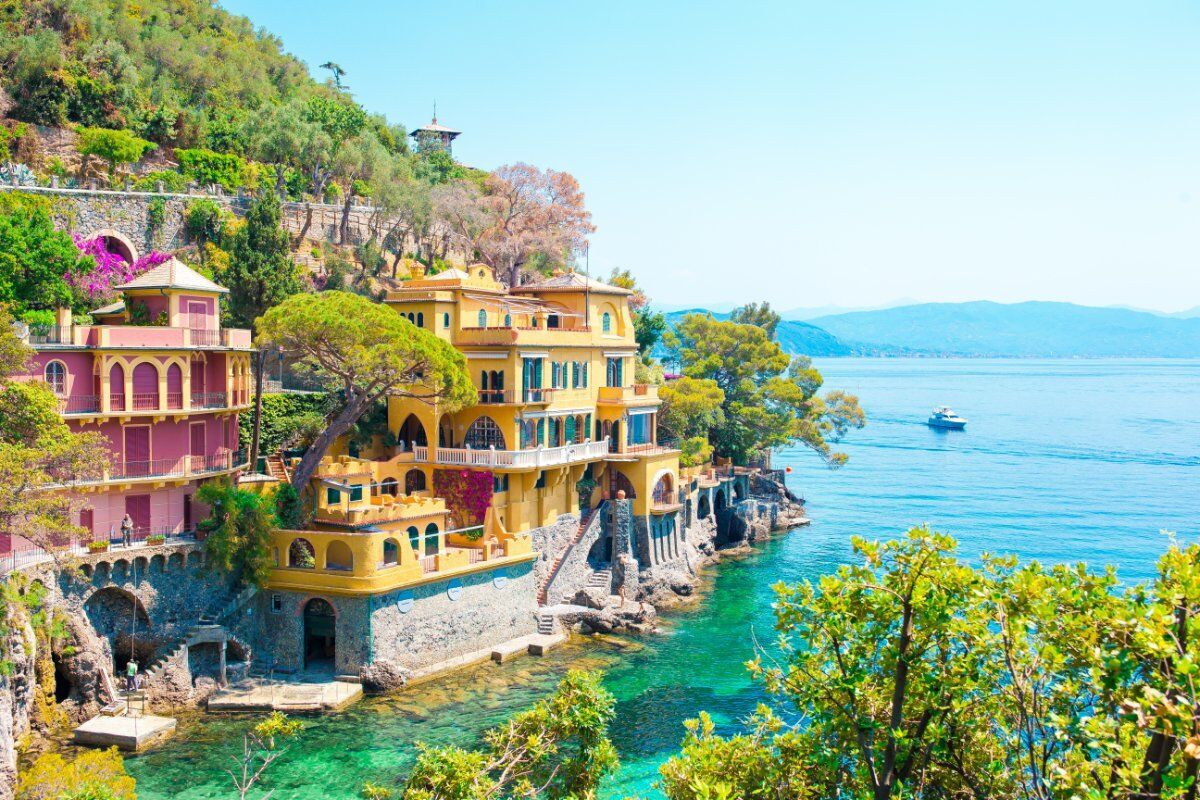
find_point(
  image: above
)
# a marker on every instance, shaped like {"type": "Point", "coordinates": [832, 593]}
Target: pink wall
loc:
{"type": "Point", "coordinates": [80, 380]}
{"type": "Point", "coordinates": [134, 336]}
{"type": "Point", "coordinates": [166, 510]}
{"type": "Point", "coordinates": [170, 439]}
{"type": "Point", "coordinates": [211, 323]}
{"type": "Point", "coordinates": [155, 304]}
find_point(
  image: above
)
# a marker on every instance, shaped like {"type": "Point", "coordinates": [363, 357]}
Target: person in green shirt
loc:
{"type": "Point", "coordinates": [131, 676]}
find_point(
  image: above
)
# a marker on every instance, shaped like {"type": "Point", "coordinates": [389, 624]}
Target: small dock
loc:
{"type": "Point", "coordinates": [537, 644]}
{"type": "Point", "coordinates": [290, 697]}
{"type": "Point", "coordinates": [124, 724]}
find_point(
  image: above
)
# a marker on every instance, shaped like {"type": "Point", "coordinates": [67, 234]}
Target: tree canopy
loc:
{"type": "Point", "coordinates": [261, 271]}
{"type": "Point", "coordinates": [915, 674]}
{"type": "Point", "coordinates": [38, 264]}
{"type": "Point", "coordinates": [770, 399]}
{"type": "Point", "coordinates": [368, 352]}
{"type": "Point", "coordinates": [759, 314]}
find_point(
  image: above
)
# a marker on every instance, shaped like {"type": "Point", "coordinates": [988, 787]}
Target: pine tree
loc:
{"type": "Point", "coordinates": [261, 273]}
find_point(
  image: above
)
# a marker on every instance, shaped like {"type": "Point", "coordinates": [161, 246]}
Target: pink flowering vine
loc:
{"type": "Point", "coordinates": [109, 269]}
{"type": "Point", "coordinates": [467, 494]}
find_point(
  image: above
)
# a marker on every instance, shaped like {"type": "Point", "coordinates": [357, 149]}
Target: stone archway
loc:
{"type": "Point", "coordinates": [119, 616]}
{"type": "Point", "coordinates": [320, 634]}
{"type": "Point", "coordinates": [117, 243]}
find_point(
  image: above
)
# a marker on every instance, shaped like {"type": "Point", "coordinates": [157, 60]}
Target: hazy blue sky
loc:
{"type": "Point", "coordinates": [817, 153]}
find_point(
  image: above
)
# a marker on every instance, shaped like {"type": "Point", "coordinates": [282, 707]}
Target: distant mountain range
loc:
{"type": "Point", "coordinates": [985, 329]}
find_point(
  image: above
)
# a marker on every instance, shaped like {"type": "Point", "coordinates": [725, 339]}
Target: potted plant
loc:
{"type": "Point", "coordinates": [98, 546]}
{"type": "Point", "coordinates": [156, 539]}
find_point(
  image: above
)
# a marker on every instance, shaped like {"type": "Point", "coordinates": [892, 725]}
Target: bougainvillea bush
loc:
{"type": "Point", "coordinates": [111, 268]}
{"type": "Point", "coordinates": [467, 494]}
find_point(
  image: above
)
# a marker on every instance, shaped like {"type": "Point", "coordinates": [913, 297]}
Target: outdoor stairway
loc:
{"type": "Point", "coordinates": [277, 468]}
{"type": "Point", "coordinates": [601, 579]}
{"type": "Point", "coordinates": [546, 624]}
{"type": "Point", "coordinates": [199, 633]}
{"type": "Point", "coordinates": [558, 562]}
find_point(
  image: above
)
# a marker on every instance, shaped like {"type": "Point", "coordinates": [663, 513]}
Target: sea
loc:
{"type": "Point", "coordinates": [1062, 461]}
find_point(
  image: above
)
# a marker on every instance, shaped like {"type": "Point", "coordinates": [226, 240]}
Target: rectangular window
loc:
{"type": "Point", "coordinates": [356, 493]}
{"type": "Point", "coordinates": [187, 512]}
{"type": "Point", "coordinates": [87, 520]}
{"type": "Point", "coordinates": [276, 604]}
{"type": "Point", "coordinates": [137, 506]}
{"type": "Point", "coordinates": [332, 497]}
{"type": "Point", "coordinates": [614, 373]}
{"type": "Point", "coordinates": [499, 483]}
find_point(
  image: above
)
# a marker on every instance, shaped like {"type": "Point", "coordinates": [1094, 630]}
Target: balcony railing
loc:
{"type": "Point", "coordinates": [514, 459]}
{"type": "Point", "coordinates": [49, 334]}
{"type": "Point", "coordinates": [495, 396]}
{"type": "Point", "coordinates": [145, 401]}
{"type": "Point", "coordinates": [79, 404]}
{"type": "Point", "coordinates": [174, 400]}
{"type": "Point", "coordinates": [116, 401]}
{"type": "Point", "coordinates": [537, 395]}
{"type": "Point", "coordinates": [208, 399]}
{"type": "Point", "coordinates": [182, 467]}
{"type": "Point", "coordinates": [199, 337]}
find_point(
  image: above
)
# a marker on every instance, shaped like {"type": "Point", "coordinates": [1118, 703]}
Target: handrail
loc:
{"type": "Point", "coordinates": [517, 459]}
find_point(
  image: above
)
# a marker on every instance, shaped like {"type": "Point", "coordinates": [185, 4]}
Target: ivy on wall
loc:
{"type": "Point", "coordinates": [467, 494]}
{"type": "Point", "coordinates": [289, 421]}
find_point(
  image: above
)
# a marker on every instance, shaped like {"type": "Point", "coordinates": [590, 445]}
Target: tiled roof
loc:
{"type": "Point", "coordinates": [111, 308]}
{"type": "Point", "coordinates": [571, 282]}
{"type": "Point", "coordinates": [173, 274]}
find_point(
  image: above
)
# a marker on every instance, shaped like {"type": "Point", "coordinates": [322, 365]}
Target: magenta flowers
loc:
{"type": "Point", "coordinates": [110, 270]}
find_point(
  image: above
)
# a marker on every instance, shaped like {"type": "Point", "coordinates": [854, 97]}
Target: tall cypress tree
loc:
{"type": "Point", "coordinates": [261, 272]}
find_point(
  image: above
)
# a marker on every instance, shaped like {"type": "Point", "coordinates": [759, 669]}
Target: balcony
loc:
{"type": "Point", "coordinates": [514, 459]}
{"type": "Point", "coordinates": [208, 400]}
{"type": "Point", "coordinates": [80, 404]}
{"type": "Point", "coordinates": [639, 394]}
{"type": "Point", "coordinates": [381, 509]}
{"type": "Point", "coordinates": [149, 336]}
{"type": "Point", "coordinates": [497, 397]}
{"type": "Point", "coordinates": [165, 469]}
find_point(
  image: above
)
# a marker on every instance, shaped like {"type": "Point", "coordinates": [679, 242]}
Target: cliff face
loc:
{"type": "Point", "coordinates": [17, 690]}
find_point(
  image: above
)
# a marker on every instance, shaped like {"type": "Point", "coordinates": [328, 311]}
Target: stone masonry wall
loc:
{"type": "Point", "coordinates": [575, 570]}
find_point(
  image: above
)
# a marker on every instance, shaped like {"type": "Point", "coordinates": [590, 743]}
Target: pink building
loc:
{"type": "Point", "coordinates": [163, 382]}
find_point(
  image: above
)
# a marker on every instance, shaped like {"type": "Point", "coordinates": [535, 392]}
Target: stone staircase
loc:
{"type": "Point", "coordinates": [190, 637]}
{"type": "Point", "coordinates": [547, 624]}
{"type": "Point", "coordinates": [277, 468]}
{"type": "Point", "coordinates": [558, 562]}
{"type": "Point", "coordinates": [601, 579]}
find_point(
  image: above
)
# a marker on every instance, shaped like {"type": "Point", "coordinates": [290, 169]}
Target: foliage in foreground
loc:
{"type": "Point", "coordinates": [914, 674]}
{"type": "Point", "coordinates": [557, 749]}
{"type": "Point", "coordinates": [93, 775]}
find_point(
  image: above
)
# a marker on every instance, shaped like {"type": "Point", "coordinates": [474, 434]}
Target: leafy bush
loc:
{"type": "Point", "coordinates": [204, 221]}
{"type": "Point", "coordinates": [38, 318]}
{"type": "Point", "coordinates": [8, 138]}
{"type": "Point", "coordinates": [237, 532]}
{"type": "Point", "coordinates": [93, 774]}
{"type": "Point", "coordinates": [114, 147]}
{"type": "Point", "coordinates": [227, 170]}
{"type": "Point", "coordinates": [289, 421]}
{"type": "Point", "coordinates": [171, 181]}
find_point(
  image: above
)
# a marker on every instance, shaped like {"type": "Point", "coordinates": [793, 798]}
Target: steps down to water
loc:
{"type": "Point", "coordinates": [558, 562]}
{"type": "Point", "coordinates": [601, 579]}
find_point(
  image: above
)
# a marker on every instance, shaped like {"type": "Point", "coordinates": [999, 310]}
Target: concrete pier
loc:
{"type": "Point", "coordinates": [127, 733]}
{"type": "Point", "coordinates": [292, 697]}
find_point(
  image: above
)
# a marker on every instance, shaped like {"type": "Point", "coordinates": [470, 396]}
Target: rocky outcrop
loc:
{"type": "Point", "coordinates": [614, 616]}
{"type": "Point", "coordinates": [384, 675]}
{"type": "Point", "coordinates": [17, 690]}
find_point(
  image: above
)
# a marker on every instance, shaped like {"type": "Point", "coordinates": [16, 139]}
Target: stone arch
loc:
{"type": "Point", "coordinates": [141, 566]}
{"type": "Point", "coordinates": [414, 481]}
{"type": "Point", "coordinates": [720, 501]}
{"type": "Point", "coordinates": [174, 562]}
{"type": "Point", "coordinates": [119, 616]}
{"type": "Point", "coordinates": [301, 554]}
{"type": "Point", "coordinates": [117, 243]}
{"type": "Point", "coordinates": [194, 559]}
{"type": "Point", "coordinates": [158, 564]}
{"type": "Point", "coordinates": [739, 491]}
{"type": "Point", "coordinates": [412, 433]}
{"type": "Point", "coordinates": [389, 486]}
{"type": "Point", "coordinates": [484, 433]}
{"type": "Point", "coordinates": [445, 431]}
{"type": "Point", "coordinates": [338, 556]}
{"type": "Point", "coordinates": [704, 509]}
{"type": "Point", "coordinates": [320, 632]}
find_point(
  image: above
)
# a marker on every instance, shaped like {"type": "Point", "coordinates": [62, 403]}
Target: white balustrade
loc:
{"type": "Point", "coordinates": [514, 459]}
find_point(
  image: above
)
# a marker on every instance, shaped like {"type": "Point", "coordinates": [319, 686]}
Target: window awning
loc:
{"type": "Point", "coordinates": [519, 305]}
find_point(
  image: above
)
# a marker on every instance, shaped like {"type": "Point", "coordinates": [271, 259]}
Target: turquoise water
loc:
{"type": "Point", "coordinates": [1062, 461]}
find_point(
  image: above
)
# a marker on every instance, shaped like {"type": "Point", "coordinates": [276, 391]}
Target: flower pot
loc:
{"type": "Point", "coordinates": [97, 547]}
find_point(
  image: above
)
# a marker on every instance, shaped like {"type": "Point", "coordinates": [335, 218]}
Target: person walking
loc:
{"type": "Point", "coordinates": [131, 674]}
{"type": "Point", "coordinates": [127, 530]}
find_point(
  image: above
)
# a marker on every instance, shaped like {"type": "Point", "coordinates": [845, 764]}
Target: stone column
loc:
{"type": "Point", "coordinates": [222, 680]}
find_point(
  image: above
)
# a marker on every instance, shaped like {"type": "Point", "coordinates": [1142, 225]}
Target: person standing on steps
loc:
{"type": "Point", "coordinates": [127, 530]}
{"type": "Point", "coordinates": [131, 671]}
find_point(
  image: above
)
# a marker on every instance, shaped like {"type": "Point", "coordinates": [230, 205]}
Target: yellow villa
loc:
{"type": "Point", "coordinates": [553, 363]}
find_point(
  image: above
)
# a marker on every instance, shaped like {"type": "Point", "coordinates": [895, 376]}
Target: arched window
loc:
{"type": "Point", "coordinates": [145, 387]}
{"type": "Point", "coordinates": [414, 481]}
{"type": "Point", "coordinates": [414, 540]}
{"type": "Point", "coordinates": [570, 437]}
{"type": "Point", "coordinates": [420, 319]}
{"type": "Point", "coordinates": [301, 554]}
{"type": "Point", "coordinates": [339, 557]}
{"type": "Point", "coordinates": [508, 320]}
{"type": "Point", "coordinates": [391, 552]}
{"type": "Point", "coordinates": [445, 320]}
{"type": "Point", "coordinates": [412, 433]}
{"type": "Point", "coordinates": [484, 433]}
{"type": "Point", "coordinates": [116, 388]}
{"type": "Point", "coordinates": [432, 539]}
{"type": "Point", "coordinates": [389, 486]}
{"type": "Point", "coordinates": [606, 322]}
{"type": "Point", "coordinates": [56, 377]}
{"type": "Point", "coordinates": [622, 483]}
{"type": "Point", "coordinates": [482, 318]}
{"type": "Point", "coordinates": [174, 386]}
{"type": "Point", "coordinates": [664, 491]}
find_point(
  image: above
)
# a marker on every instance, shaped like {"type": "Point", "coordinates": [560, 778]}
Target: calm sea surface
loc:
{"type": "Point", "coordinates": [1062, 461]}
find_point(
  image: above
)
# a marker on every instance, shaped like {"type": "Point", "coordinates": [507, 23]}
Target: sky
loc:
{"type": "Point", "coordinates": [819, 153]}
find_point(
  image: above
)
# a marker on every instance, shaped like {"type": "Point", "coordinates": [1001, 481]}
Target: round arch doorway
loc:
{"type": "Point", "coordinates": [320, 642]}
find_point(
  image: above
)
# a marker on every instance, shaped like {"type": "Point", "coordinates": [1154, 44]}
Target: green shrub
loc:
{"type": "Point", "coordinates": [227, 170]}
{"type": "Point", "coordinates": [171, 180]}
{"type": "Point", "coordinates": [114, 147]}
{"type": "Point", "coordinates": [156, 214]}
{"type": "Point", "coordinates": [204, 221]}
{"type": "Point", "coordinates": [38, 318]}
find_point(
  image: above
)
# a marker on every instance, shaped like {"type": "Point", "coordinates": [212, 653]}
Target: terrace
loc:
{"type": "Point", "coordinates": [513, 459]}
{"type": "Point", "coordinates": [183, 467]}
